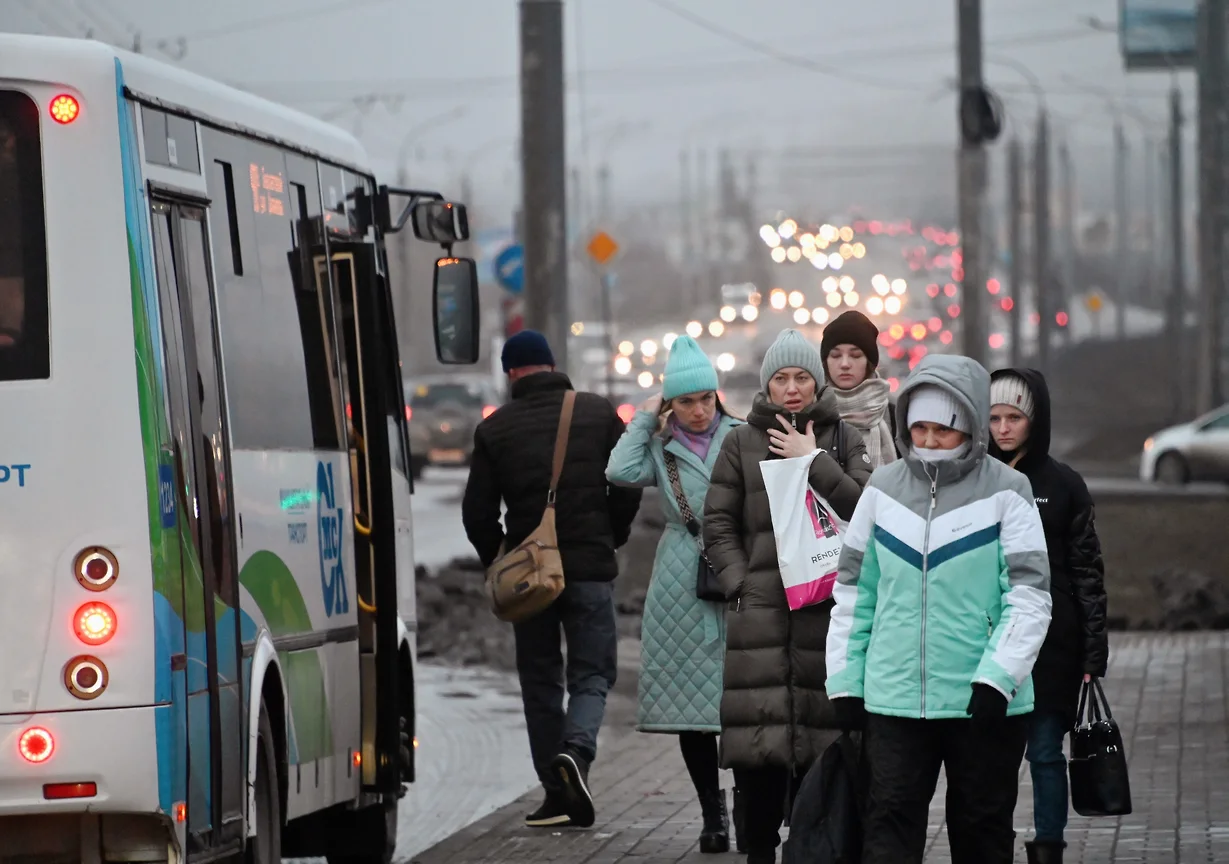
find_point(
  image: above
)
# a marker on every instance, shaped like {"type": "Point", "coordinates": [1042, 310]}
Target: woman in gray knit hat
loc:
{"type": "Point", "coordinates": [775, 716]}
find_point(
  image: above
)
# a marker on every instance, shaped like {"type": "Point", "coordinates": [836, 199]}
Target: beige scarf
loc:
{"type": "Point", "coordinates": [866, 407]}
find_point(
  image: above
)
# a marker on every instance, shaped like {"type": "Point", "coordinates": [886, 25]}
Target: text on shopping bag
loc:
{"type": "Point", "coordinates": [807, 531]}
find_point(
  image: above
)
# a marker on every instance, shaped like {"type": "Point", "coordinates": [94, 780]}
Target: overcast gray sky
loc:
{"type": "Point", "coordinates": [647, 77]}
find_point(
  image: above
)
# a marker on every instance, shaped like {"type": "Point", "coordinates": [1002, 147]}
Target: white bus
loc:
{"type": "Point", "coordinates": [206, 639]}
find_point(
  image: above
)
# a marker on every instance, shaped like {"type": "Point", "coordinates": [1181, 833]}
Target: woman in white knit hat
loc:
{"type": "Point", "coordinates": [775, 719]}
{"type": "Point", "coordinates": [1076, 647]}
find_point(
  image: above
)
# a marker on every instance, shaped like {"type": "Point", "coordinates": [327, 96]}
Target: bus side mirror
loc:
{"type": "Point", "coordinates": [443, 222]}
{"type": "Point", "coordinates": [455, 304]}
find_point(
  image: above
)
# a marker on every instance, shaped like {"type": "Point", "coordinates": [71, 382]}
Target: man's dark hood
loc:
{"type": "Point", "coordinates": [1038, 446]}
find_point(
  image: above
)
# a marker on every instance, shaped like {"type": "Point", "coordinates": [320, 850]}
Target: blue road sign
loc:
{"type": "Point", "coordinates": [510, 268]}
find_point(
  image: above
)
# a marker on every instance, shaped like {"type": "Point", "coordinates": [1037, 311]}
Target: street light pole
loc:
{"type": "Point", "coordinates": [972, 180]}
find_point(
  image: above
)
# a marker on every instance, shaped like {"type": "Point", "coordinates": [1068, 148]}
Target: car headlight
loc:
{"type": "Point", "coordinates": [1148, 444]}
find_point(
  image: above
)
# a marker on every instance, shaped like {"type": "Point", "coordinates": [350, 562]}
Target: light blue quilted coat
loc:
{"type": "Point", "coordinates": [682, 638]}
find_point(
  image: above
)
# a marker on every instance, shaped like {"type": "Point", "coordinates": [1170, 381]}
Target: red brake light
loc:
{"type": "Point", "coordinates": [626, 412]}
{"type": "Point", "coordinates": [64, 109]}
{"type": "Point", "coordinates": [36, 745]}
{"type": "Point", "coordinates": [95, 623]}
{"type": "Point", "coordinates": [487, 411]}
{"type": "Point", "coordinates": [409, 413]}
{"type": "Point", "coordinates": [61, 791]}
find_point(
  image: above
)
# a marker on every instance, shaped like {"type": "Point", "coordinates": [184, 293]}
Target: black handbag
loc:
{"type": "Point", "coordinates": [1099, 783]}
{"type": "Point", "coordinates": [708, 587]}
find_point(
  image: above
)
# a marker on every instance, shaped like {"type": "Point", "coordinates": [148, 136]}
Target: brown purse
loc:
{"type": "Point", "coordinates": [523, 582]}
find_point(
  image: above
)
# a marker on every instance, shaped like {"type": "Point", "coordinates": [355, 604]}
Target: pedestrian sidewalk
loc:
{"type": "Point", "coordinates": [1168, 693]}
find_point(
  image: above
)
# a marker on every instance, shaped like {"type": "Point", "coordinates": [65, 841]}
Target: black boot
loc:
{"type": "Point", "coordinates": [1045, 851]}
{"type": "Point", "coordinates": [740, 822]}
{"type": "Point", "coordinates": [715, 836]}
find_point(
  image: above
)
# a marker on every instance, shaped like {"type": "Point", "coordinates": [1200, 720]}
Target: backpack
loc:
{"type": "Point", "coordinates": [825, 826]}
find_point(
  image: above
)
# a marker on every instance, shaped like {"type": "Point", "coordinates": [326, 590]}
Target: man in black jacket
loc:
{"type": "Point", "coordinates": [1076, 647]}
{"type": "Point", "coordinates": [513, 450]}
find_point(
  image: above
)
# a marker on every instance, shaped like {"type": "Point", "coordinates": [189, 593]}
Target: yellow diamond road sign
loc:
{"type": "Point", "coordinates": [602, 247]}
{"type": "Point", "coordinates": [1094, 302]}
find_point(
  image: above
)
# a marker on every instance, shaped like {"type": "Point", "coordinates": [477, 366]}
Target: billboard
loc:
{"type": "Point", "coordinates": [1158, 34]}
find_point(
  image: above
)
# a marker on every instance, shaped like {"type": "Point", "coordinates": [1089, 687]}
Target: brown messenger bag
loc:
{"type": "Point", "coordinates": [524, 581]}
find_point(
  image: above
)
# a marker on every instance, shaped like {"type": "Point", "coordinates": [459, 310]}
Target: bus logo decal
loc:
{"type": "Point", "coordinates": [7, 472]}
{"type": "Point", "coordinates": [329, 515]}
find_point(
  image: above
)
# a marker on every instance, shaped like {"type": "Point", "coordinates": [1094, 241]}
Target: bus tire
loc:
{"type": "Point", "coordinates": [266, 846]}
{"type": "Point", "coordinates": [369, 836]}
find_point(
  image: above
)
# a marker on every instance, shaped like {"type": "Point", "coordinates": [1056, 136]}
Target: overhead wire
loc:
{"type": "Point", "coordinates": [262, 22]}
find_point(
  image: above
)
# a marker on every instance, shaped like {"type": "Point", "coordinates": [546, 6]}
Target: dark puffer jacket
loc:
{"type": "Point", "coordinates": [1077, 642]}
{"type": "Point", "coordinates": [512, 464]}
{"type": "Point", "coordinates": [774, 710]}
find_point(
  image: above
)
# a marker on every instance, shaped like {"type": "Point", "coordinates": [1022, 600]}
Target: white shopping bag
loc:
{"type": "Point", "coordinates": [807, 530]}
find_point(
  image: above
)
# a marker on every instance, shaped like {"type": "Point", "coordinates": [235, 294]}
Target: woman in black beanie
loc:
{"type": "Point", "coordinates": [850, 349]}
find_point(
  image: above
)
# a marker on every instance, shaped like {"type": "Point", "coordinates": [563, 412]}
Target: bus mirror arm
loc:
{"type": "Point", "coordinates": [433, 218]}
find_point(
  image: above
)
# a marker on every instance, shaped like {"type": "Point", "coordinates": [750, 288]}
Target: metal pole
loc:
{"type": "Point", "coordinates": [1213, 75]}
{"type": "Point", "coordinates": [1015, 192]}
{"type": "Point", "coordinates": [1176, 319]}
{"type": "Point", "coordinates": [401, 297]}
{"type": "Point", "coordinates": [972, 181]}
{"type": "Point", "coordinates": [1041, 242]}
{"type": "Point", "coordinates": [685, 228]}
{"type": "Point", "coordinates": [605, 277]}
{"type": "Point", "coordinates": [1066, 288]}
{"type": "Point", "coordinates": [1148, 290]}
{"type": "Point", "coordinates": [703, 216]}
{"type": "Point", "coordinates": [544, 173]}
{"type": "Point", "coordinates": [1123, 251]}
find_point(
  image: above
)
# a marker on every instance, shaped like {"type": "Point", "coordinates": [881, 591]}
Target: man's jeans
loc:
{"type": "Point", "coordinates": [1049, 770]}
{"type": "Point", "coordinates": [585, 613]}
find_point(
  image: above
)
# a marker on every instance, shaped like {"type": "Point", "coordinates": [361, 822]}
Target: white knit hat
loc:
{"type": "Point", "coordinates": [933, 404]}
{"type": "Point", "coordinates": [1014, 391]}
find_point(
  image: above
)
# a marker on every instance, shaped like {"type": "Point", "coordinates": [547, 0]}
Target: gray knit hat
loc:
{"type": "Point", "coordinates": [791, 349]}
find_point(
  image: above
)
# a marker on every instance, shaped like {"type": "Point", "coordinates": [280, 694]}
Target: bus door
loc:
{"type": "Point", "coordinates": [378, 458]}
{"type": "Point", "coordinates": [217, 779]}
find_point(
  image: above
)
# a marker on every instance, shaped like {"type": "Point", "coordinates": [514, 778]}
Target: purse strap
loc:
{"type": "Point", "coordinates": [1092, 708]}
{"type": "Point", "coordinates": [561, 444]}
{"type": "Point", "coordinates": [676, 486]}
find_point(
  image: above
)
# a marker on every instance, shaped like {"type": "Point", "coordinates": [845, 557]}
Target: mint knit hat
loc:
{"type": "Point", "coordinates": [688, 370]}
{"type": "Point", "coordinates": [791, 349]}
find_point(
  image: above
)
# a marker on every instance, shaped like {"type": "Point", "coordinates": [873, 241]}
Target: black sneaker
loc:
{"type": "Point", "coordinates": [573, 771]}
{"type": "Point", "coordinates": [550, 815]}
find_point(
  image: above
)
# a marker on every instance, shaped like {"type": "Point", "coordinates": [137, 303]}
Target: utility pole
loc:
{"type": "Point", "coordinates": [1175, 320]}
{"type": "Point", "coordinates": [1122, 245]}
{"type": "Point", "coordinates": [1041, 241]}
{"type": "Point", "coordinates": [703, 227]}
{"type": "Point", "coordinates": [1015, 227]}
{"type": "Point", "coordinates": [1066, 287]}
{"type": "Point", "coordinates": [1150, 270]}
{"type": "Point", "coordinates": [544, 173]}
{"type": "Point", "coordinates": [972, 181]}
{"type": "Point", "coordinates": [685, 229]}
{"type": "Point", "coordinates": [1213, 78]}
{"type": "Point", "coordinates": [605, 277]}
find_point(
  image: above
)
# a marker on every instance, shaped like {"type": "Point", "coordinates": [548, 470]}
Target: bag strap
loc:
{"type": "Point", "coordinates": [676, 486]}
{"type": "Point", "coordinates": [840, 443]}
{"type": "Point", "coordinates": [1096, 682]}
{"type": "Point", "coordinates": [561, 444]}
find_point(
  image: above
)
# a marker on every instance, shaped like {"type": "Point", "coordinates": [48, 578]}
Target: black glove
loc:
{"type": "Point", "coordinates": [987, 706]}
{"type": "Point", "coordinates": [850, 713]}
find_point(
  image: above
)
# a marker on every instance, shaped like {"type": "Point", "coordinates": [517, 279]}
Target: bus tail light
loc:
{"type": "Point", "coordinates": [86, 677]}
{"type": "Point", "coordinates": [63, 791]}
{"type": "Point", "coordinates": [36, 745]}
{"type": "Point", "coordinates": [487, 411]}
{"type": "Point", "coordinates": [96, 568]}
{"type": "Point", "coordinates": [409, 413]}
{"type": "Point", "coordinates": [64, 109]}
{"type": "Point", "coordinates": [95, 623]}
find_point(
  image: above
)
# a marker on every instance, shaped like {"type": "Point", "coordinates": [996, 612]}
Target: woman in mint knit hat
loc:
{"type": "Point", "coordinates": [672, 443]}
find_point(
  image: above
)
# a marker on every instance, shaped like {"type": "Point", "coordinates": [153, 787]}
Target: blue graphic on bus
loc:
{"type": "Point", "coordinates": [166, 495]}
{"type": "Point", "coordinates": [7, 472]}
{"type": "Point", "coordinates": [329, 516]}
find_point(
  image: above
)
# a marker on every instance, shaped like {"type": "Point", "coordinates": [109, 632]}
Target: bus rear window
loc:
{"type": "Point", "coordinates": [25, 343]}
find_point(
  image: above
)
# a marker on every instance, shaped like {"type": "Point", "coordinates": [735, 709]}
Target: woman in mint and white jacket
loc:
{"type": "Point", "coordinates": [942, 605]}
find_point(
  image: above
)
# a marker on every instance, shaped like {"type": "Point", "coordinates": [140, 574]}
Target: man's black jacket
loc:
{"type": "Point", "coordinates": [512, 464]}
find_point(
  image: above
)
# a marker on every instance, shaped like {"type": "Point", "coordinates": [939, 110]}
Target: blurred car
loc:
{"type": "Point", "coordinates": [1190, 453]}
{"type": "Point", "coordinates": [443, 413]}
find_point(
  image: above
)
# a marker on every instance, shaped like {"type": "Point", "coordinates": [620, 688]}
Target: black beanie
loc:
{"type": "Point", "coordinates": [851, 328]}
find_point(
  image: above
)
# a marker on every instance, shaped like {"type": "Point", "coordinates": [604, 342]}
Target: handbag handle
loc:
{"type": "Point", "coordinates": [676, 486]}
{"type": "Point", "coordinates": [561, 444]}
{"type": "Point", "coordinates": [1093, 706]}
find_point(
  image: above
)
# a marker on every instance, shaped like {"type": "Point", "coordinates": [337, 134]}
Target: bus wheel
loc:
{"type": "Point", "coordinates": [266, 846]}
{"type": "Point", "coordinates": [369, 835]}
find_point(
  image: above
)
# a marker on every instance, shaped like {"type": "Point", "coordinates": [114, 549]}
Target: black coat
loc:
{"type": "Point", "coordinates": [512, 465]}
{"type": "Point", "coordinates": [1077, 642]}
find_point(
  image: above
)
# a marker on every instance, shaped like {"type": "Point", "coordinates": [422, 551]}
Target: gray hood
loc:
{"type": "Point", "coordinates": [969, 382]}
